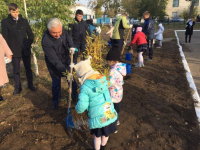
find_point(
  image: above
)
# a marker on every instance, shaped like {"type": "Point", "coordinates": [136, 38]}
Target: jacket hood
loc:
{"type": "Point", "coordinates": [120, 17]}
{"type": "Point", "coordinates": [161, 26]}
{"type": "Point", "coordinates": [121, 68]}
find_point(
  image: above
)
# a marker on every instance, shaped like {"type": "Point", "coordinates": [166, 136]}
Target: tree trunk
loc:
{"type": "Point", "coordinates": [191, 8]}
{"type": "Point", "coordinates": [34, 56]}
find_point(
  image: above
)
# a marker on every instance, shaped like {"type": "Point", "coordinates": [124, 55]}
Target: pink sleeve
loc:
{"type": "Point", "coordinates": [5, 47]}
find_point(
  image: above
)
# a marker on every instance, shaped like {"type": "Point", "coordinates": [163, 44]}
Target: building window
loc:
{"type": "Point", "coordinates": [174, 14]}
{"type": "Point", "coordinates": [196, 3]}
{"type": "Point", "coordinates": [175, 3]}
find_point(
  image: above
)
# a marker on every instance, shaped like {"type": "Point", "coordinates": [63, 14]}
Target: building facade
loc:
{"type": "Point", "coordinates": [87, 12]}
{"type": "Point", "coordinates": [175, 7]}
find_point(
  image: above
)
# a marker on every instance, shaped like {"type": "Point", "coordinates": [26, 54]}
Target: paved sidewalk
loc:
{"type": "Point", "coordinates": [192, 54]}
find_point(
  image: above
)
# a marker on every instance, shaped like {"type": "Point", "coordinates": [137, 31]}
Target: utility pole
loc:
{"type": "Point", "coordinates": [191, 8]}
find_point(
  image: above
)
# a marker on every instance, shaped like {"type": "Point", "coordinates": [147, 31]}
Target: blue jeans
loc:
{"type": "Point", "coordinates": [81, 47]}
{"type": "Point", "coordinates": [56, 90]}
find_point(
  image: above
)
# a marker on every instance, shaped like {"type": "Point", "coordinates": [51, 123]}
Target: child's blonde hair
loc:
{"type": "Point", "coordinates": [146, 13]}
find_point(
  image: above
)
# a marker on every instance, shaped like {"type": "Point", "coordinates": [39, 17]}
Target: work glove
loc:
{"type": "Point", "coordinates": [72, 50]}
{"type": "Point", "coordinates": [98, 30]}
{"type": "Point", "coordinates": [124, 43]}
{"type": "Point", "coordinates": [7, 60]}
{"type": "Point", "coordinates": [130, 25]}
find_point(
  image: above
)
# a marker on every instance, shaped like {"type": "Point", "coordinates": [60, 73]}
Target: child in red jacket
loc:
{"type": "Point", "coordinates": [141, 41]}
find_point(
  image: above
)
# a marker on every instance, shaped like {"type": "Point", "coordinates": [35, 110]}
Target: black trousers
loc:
{"type": "Point", "coordinates": [189, 38]}
{"type": "Point", "coordinates": [150, 46]}
{"type": "Point", "coordinates": [81, 47]}
{"type": "Point", "coordinates": [16, 70]}
{"type": "Point", "coordinates": [117, 107]}
{"type": "Point", "coordinates": [119, 42]}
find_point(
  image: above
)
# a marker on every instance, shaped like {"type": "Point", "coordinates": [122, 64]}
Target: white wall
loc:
{"type": "Point", "coordinates": [86, 11]}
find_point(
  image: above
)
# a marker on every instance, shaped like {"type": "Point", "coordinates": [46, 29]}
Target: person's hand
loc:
{"type": "Point", "coordinates": [125, 43]}
{"type": "Point", "coordinates": [10, 57]}
{"type": "Point", "coordinates": [130, 25]}
{"type": "Point", "coordinates": [105, 34]}
{"type": "Point", "coordinates": [72, 50]}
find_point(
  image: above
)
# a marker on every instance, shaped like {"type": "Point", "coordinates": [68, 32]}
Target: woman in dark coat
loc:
{"type": "Point", "coordinates": [189, 29]}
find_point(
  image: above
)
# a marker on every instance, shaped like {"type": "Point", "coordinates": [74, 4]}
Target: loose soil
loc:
{"type": "Point", "coordinates": [157, 111]}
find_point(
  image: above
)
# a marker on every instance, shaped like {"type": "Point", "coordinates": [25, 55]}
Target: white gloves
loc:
{"type": "Point", "coordinates": [124, 43]}
{"type": "Point", "coordinates": [7, 60]}
{"type": "Point", "coordinates": [98, 29]}
{"type": "Point", "coordinates": [72, 50]}
{"type": "Point", "coordinates": [130, 25]}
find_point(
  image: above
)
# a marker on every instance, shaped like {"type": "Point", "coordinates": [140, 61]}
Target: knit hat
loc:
{"type": "Point", "coordinates": [139, 29]}
{"type": "Point", "coordinates": [113, 54]}
{"type": "Point", "coordinates": [84, 70]}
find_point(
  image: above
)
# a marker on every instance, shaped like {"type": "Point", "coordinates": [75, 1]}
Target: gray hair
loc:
{"type": "Point", "coordinates": [53, 23]}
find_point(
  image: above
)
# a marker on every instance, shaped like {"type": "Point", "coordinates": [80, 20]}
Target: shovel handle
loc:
{"type": "Point", "coordinates": [70, 83]}
{"type": "Point", "coordinates": [126, 40]}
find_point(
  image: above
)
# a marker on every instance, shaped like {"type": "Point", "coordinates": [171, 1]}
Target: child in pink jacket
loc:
{"type": "Point", "coordinates": [116, 73]}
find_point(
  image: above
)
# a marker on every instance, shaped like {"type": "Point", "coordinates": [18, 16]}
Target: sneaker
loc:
{"type": "Point", "coordinates": [118, 123]}
{"type": "Point", "coordinates": [142, 65]}
{"type": "Point", "coordinates": [137, 66]}
{"type": "Point", "coordinates": [149, 59]}
{"type": "Point", "coordinates": [116, 131]}
{"type": "Point", "coordinates": [158, 47]}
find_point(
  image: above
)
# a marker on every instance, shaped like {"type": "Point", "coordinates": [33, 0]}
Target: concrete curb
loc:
{"type": "Point", "coordinates": [189, 77]}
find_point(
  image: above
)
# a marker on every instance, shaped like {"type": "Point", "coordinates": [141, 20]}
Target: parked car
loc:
{"type": "Point", "coordinates": [133, 21]}
{"type": "Point", "coordinates": [165, 19]}
{"type": "Point", "coordinates": [177, 19]}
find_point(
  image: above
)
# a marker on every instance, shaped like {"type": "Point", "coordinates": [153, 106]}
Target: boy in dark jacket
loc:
{"type": "Point", "coordinates": [18, 34]}
{"type": "Point", "coordinates": [78, 32]}
{"type": "Point", "coordinates": [148, 29]}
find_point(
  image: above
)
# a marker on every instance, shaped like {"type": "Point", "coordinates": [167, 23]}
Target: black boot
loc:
{"type": "Point", "coordinates": [55, 106]}
{"type": "Point", "coordinates": [17, 91]}
{"type": "Point", "coordinates": [102, 147]}
{"type": "Point", "coordinates": [32, 88]}
{"type": "Point", "coordinates": [1, 98]}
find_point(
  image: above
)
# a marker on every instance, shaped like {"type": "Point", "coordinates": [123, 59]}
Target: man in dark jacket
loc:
{"type": "Point", "coordinates": [78, 32]}
{"type": "Point", "coordinates": [15, 30]}
{"type": "Point", "coordinates": [148, 29]}
{"type": "Point", "coordinates": [56, 43]}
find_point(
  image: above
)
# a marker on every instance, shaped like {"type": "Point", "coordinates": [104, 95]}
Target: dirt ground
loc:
{"type": "Point", "coordinates": [157, 111]}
